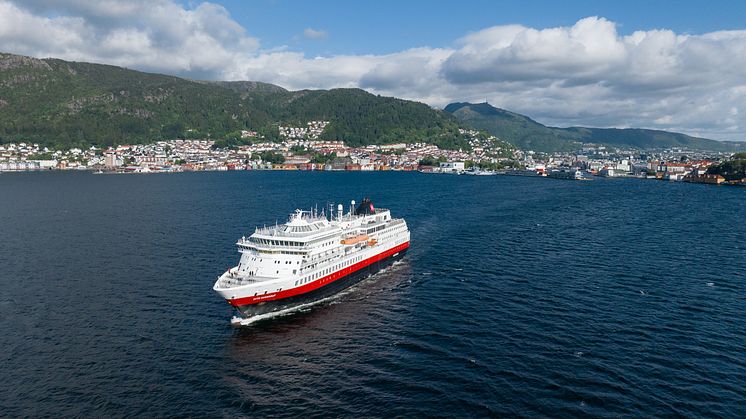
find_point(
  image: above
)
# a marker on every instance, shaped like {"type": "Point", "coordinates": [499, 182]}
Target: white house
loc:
{"type": "Point", "coordinates": [452, 167]}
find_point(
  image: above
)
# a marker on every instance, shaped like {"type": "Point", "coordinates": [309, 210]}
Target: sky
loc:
{"type": "Point", "coordinates": [673, 65]}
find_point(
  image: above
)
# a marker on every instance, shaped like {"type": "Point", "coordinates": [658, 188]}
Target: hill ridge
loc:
{"type": "Point", "coordinates": [66, 103]}
{"type": "Point", "coordinates": [526, 133]}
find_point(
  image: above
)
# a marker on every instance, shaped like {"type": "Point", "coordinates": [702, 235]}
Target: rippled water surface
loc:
{"type": "Point", "coordinates": [519, 296]}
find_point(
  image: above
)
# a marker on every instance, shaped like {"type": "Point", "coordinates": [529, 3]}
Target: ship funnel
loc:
{"type": "Point", "coordinates": [352, 207]}
{"type": "Point", "coordinates": [340, 211]}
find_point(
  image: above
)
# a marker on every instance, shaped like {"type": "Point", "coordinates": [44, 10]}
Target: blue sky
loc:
{"type": "Point", "coordinates": [672, 65]}
{"type": "Point", "coordinates": [386, 26]}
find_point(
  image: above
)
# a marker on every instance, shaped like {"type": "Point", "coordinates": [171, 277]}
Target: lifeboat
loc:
{"type": "Point", "coordinates": [355, 239]}
{"type": "Point", "coordinates": [372, 242]}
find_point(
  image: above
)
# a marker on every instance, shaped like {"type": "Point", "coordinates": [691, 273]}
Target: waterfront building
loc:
{"type": "Point", "coordinates": [452, 167]}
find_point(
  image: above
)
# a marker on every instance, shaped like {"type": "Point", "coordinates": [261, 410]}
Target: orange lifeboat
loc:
{"type": "Point", "coordinates": [356, 239]}
{"type": "Point", "coordinates": [372, 242]}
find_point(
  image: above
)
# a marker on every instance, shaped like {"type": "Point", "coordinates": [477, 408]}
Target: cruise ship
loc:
{"type": "Point", "coordinates": [310, 258]}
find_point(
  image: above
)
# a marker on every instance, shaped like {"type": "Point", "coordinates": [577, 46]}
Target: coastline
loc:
{"type": "Point", "coordinates": [501, 173]}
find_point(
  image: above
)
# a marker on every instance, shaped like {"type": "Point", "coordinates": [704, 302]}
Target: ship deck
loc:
{"type": "Point", "coordinates": [227, 281]}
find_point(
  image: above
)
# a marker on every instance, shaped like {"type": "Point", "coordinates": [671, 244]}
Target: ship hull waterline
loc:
{"type": "Point", "coordinates": [252, 312]}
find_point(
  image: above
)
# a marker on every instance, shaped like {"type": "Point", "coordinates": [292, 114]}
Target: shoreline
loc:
{"type": "Point", "coordinates": [508, 173]}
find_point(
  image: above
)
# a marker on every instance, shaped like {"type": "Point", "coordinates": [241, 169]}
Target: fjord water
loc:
{"type": "Point", "coordinates": [520, 296]}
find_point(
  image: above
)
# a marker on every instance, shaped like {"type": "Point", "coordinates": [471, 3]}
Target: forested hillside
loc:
{"type": "Point", "coordinates": [527, 134]}
{"type": "Point", "coordinates": [61, 104]}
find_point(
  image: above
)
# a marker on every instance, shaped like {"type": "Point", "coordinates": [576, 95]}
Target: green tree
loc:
{"type": "Point", "coordinates": [323, 158]}
{"type": "Point", "coordinates": [428, 161]}
{"type": "Point", "coordinates": [731, 169]}
{"type": "Point", "coordinates": [173, 130]}
{"type": "Point", "coordinates": [271, 157]}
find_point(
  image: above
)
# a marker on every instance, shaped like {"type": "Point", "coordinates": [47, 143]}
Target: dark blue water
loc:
{"type": "Point", "coordinates": [519, 296]}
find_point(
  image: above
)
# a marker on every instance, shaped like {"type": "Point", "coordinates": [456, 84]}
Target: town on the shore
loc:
{"type": "Point", "coordinates": [301, 149]}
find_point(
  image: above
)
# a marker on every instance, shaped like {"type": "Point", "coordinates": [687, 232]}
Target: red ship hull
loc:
{"type": "Point", "coordinates": [320, 289]}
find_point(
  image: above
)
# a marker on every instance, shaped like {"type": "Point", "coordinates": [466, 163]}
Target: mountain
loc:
{"type": "Point", "coordinates": [519, 130]}
{"type": "Point", "coordinates": [246, 88]}
{"type": "Point", "coordinates": [61, 104]}
{"type": "Point", "coordinates": [361, 118]}
{"type": "Point", "coordinates": [527, 134]}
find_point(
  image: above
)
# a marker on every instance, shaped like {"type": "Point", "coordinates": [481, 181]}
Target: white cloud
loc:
{"type": "Point", "coordinates": [516, 53]}
{"type": "Point", "coordinates": [315, 34]}
{"type": "Point", "coordinates": [589, 74]}
{"type": "Point", "coordinates": [584, 74]}
{"type": "Point", "coordinates": [151, 35]}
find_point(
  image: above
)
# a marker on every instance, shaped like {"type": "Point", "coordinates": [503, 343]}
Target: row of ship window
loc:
{"type": "Point", "coordinates": [325, 271]}
{"type": "Point", "coordinates": [374, 229]}
{"type": "Point", "coordinates": [274, 251]}
{"type": "Point", "coordinates": [268, 242]}
{"type": "Point", "coordinates": [391, 234]}
{"type": "Point", "coordinates": [277, 261]}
